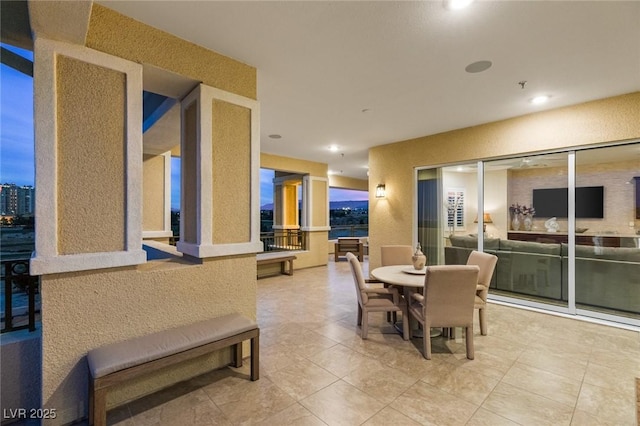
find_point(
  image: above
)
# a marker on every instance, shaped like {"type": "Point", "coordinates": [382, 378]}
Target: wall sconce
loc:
{"type": "Point", "coordinates": [380, 191]}
{"type": "Point", "coordinates": [486, 218]}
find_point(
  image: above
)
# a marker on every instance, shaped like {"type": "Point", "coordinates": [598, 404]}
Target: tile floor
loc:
{"type": "Point", "coordinates": [532, 369]}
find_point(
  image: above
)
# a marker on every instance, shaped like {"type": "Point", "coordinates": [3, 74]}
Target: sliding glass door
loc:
{"type": "Point", "coordinates": [607, 243]}
{"type": "Point", "coordinates": [565, 227]}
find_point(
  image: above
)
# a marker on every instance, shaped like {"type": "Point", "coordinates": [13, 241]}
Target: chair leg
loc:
{"type": "Point", "coordinates": [482, 316]}
{"type": "Point", "coordinates": [365, 324]}
{"type": "Point", "coordinates": [469, 339]}
{"type": "Point", "coordinates": [359, 315]}
{"type": "Point", "coordinates": [426, 344]}
{"type": "Point", "coordinates": [406, 329]}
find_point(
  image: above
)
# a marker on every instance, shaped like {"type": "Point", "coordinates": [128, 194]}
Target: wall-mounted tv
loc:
{"type": "Point", "coordinates": [552, 202]}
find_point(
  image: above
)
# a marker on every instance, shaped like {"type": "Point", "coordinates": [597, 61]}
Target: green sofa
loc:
{"type": "Point", "coordinates": [606, 277]}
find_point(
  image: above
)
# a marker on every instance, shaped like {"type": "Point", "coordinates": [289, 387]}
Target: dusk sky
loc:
{"type": "Point", "coordinates": [16, 124]}
{"type": "Point", "coordinates": [17, 140]}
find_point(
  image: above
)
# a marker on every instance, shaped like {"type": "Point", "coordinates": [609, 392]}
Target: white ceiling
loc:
{"type": "Point", "coordinates": [320, 64]}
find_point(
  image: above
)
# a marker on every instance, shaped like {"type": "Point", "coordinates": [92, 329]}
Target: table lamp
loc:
{"type": "Point", "coordinates": [486, 218]}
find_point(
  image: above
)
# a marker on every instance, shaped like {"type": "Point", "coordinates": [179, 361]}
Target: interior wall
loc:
{"type": "Point", "coordinates": [84, 310]}
{"type": "Point", "coordinates": [619, 199]}
{"type": "Point", "coordinates": [391, 219]}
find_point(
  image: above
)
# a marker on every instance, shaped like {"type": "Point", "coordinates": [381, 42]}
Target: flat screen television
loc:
{"type": "Point", "coordinates": [552, 202]}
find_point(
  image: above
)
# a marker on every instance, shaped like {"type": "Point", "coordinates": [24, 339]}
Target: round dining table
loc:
{"type": "Point", "coordinates": [406, 276]}
{"type": "Point", "coordinates": [400, 275]}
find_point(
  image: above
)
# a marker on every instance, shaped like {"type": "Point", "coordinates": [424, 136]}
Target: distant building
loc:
{"type": "Point", "coordinates": [17, 200]}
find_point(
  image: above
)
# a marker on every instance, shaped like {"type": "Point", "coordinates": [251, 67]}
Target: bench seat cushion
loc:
{"type": "Point", "coordinates": [120, 355]}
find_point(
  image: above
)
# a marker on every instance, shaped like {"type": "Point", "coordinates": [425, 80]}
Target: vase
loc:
{"type": "Point", "coordinates": [528, 222]}
{"type": "Point", "coordinates": [515, 222]}
{"type": "Point", "coordinates": [419, 259]}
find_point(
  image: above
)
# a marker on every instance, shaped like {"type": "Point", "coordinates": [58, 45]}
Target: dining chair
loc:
{"type": "Point", "coordinates": [487, 264]}
{"type": "Point", "coordinates": [376, 299]}
{"type": "Point", "coordinates": [447, 301]}
{"type": "Point", "coordinates": [395, 255]}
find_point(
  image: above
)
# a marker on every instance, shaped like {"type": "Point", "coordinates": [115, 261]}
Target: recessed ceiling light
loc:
{"type": "Point", "coordinates": [478, 66]}
{"type": "Point", "coordinates": [333, 148]}
{"type": "Point", "coordinates": [540, 99]}
{"type": "Point", "coordinates": [275, 136]}
{"type": "Point", "coordinates": [456, 4]}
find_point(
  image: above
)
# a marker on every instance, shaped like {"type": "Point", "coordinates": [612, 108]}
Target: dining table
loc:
{"type": "Point", "coordinates": [408, 277]}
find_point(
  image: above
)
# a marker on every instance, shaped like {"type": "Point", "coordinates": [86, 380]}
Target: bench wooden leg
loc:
{"type": "Point", "coordinates": [236, 354]}
{"type": "Point", "coordinates": [255, 358]}
{"type": "Point", "coordinates": [99, 403]}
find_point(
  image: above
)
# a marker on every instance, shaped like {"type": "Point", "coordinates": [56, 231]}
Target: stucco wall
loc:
{"type": "Point", "coordinates": [345, 182]}
{"type": "Point", "coordinates": [391, 218]}
{"type": "Point", "coordinates": [99, 183]}
{"type": "Point", "coordinates": [141, 43]}
{"type": "Point", "coordinates": [153, 172]}
{"type": "Point", "coordinates": [83, 310]}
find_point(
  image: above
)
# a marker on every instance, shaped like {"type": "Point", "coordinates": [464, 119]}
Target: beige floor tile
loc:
{"type": "Point", "coordinates": [611, 377]}
{"type": "Point", "coordinates": [483, 417]}
{"type": "Point", "coordinates": [557, 363]}
{"type": "Point", "coordinates": [607, 404]}
{"type": "Point", "coordinates": [389, 416]}
{"type": "Point", "coordinates": [294, 415]}
{"type": "Point", "coordinates": [340, 360]}
{"type": "Point", "coordinates": [244, 401]}
{"type": "Point", "coordinates": [465, 383]}
{"type": "Point", "coordinates": [429, 405]}
{"type": "Point", "coordinates": [627, 359]}
{"type": "Point", "coordinates": [336, 331]}
{"type": "Point", "coordinates": [526, 407]}
{"type": "Point", "coordinates": [380, 381]}
{"type": "Point", "coordinates": [342, 404]}
{"type": "Point", "coordinates": [302, 379]}
{"type": "Point", "coordinates": [277, 357]}
{"type": "Point", "coordinates": [581, 418]}
{"type": "Point", "coordinates": [543, 383]}
{"type": "Point", "coordinates": [163, 408]}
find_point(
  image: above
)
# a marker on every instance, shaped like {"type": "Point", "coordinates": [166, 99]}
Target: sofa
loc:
{"type": "Point", "coordinates": [606, 277]}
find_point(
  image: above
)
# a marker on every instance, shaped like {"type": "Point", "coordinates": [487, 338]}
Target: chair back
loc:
{"type": "Point", "coordinates": [358, 278]}
{"type": "Point", "coordinates": [449, 294]}
{"type": "Point", "coordinates": [487, 264]}
{"type": "Point", "coordinates": [396, 255]}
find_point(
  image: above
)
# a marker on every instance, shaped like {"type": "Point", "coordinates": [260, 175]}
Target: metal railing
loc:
{"type": "Point", "coordinates": [348, 231]}
{"type": "Point", "coordinates": [16, 279]}
{"type": "Point", "coordinates": [284, 240]}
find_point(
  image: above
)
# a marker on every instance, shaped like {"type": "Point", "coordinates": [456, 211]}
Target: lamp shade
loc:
{"type": "Point", "coordinates": [486, 218]}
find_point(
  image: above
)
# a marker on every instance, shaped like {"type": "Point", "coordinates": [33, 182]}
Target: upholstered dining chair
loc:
{"type": "Point", "coordinates": [487, 264]}
{"type": "Point", "coordinates": [375, 299]}
{"type": "Point", "coordinates": [447, 301]}
{"type": "Point", "coordinates": [394, 255]}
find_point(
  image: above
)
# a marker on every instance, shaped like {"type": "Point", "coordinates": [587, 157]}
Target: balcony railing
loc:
{"type": "Point", "coordinates": [18, 286]}
{"type": "Point", "coordinates": [284, 240]}
{"type": "Point", "coordinates": [348, 231]}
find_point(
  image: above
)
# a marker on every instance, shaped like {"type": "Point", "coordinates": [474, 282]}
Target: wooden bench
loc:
{"type": "Point", "coordinates": [284, 258]}
{"type": "Point", "coordinates": [346, 245]}
{"type": "Point", "coordinates": [120, 362]}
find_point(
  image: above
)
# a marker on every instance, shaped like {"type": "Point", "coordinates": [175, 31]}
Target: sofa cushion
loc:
{"type": "Point", "coordinates": [471, 241]}
{"type": "Point", "coordinates": [530, 247]}
{"type": "Point", "coordinates": [627, 254]}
